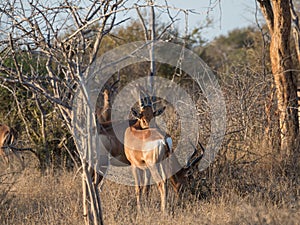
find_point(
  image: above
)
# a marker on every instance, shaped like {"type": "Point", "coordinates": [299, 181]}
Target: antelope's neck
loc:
{"type": "Point", "coordinates": [136, 126]}
{"type": "Point", "coordinates": [140, 133]}
{"type": "Point", "coordinates": [106, 104]}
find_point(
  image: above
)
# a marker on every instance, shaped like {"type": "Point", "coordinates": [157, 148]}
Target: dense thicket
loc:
{"type": "Point", "coordinates": [239, 59]}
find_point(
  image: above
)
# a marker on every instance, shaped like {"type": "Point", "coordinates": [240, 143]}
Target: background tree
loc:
{"type": "Point", "coordinates": [277, 14]}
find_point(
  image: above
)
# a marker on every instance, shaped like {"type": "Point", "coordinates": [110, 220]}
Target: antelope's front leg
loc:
{"type": "Point", "coordinates": [146, 186]}
{"type": "Point", "coordinates": [137, 173]}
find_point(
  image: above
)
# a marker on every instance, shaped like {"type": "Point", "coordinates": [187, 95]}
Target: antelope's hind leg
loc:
{"type": "Point", "coordinates": [4, 153]}
{"type": "Point", "coordinates": [162, 187]}
{"type": "Point", "coordinates": [160, 179]}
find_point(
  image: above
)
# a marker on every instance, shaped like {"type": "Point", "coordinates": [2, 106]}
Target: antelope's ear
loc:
{"type": "Point", "coordinates": [135, 113]}
{"type": "Point", "coordinates": [159, 111]}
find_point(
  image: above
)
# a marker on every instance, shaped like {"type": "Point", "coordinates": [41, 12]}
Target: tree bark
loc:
{"type": "Point", "coordinates": [278, 17]}
{"type": "Point", "coordinates": [296, 35]}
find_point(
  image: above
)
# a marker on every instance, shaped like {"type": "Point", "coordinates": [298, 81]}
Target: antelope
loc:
{"type": "Point", "coordinates": [150, 153]}
{"type": "Point", "coordinates": [104, 113]}
{"type": "Point", "coordinates": [115, 147]}
{"type": "Point", "coordinates": [111, 142]}
{"type": "Point", "coordinates": [146, 148]}
{"type": "Point", "coordinates": [6, 139]}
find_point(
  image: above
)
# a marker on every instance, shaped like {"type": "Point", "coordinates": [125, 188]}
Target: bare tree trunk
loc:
{"type": "Point", "coordinates": [153, 39]}
{"type": "Point", "coordinates": [296, 35]}
{"type": "Point", "coordinates": [298, 95]}
{"type": "Point", "coordinates": [91, 198]}
{"type": "Point", "coordinates": [272, 124]}
{"type": "Point", "coordinates": [295, 29]}
{"type": "Point", "coordinates": [285, 82]}
{"type": "Point", "coordinates": [85, 201]}
{"type": "Point", "coordinates": [278, 17]}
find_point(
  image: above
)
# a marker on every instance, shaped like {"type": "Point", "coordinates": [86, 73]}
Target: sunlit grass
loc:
{"type": "Point", "coordinates": [56, 199]}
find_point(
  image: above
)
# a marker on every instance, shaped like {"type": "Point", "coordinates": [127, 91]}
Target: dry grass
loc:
{"type": "Point", "coordinates": [36, 199]}
{"type": "Point", "coordinates": [56, 199]}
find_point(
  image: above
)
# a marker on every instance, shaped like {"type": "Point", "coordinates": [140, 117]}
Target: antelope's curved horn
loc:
{"type": "Point", "coordinates": [202, 148]}
{"type": "Point", "coordinates": [141, 101]}
{"type": "Point", "coordinates": [148, 101]}
{"type": "Point", "coordinates": [194, 161]}
{"type": "Point", "coordinates": [145, 99]}
{"type": "Point", "coordinates": [114, 86]}
{"type": "Point", "coordinates": [9, 138]}
{"type": "Point", "coordinates": [191, 162]}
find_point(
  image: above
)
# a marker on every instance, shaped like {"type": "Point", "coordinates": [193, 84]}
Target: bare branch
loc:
{"type": "Point", "coordinates": [266, 8]}
{"type": "Point", "coordinates": [146, 35]}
